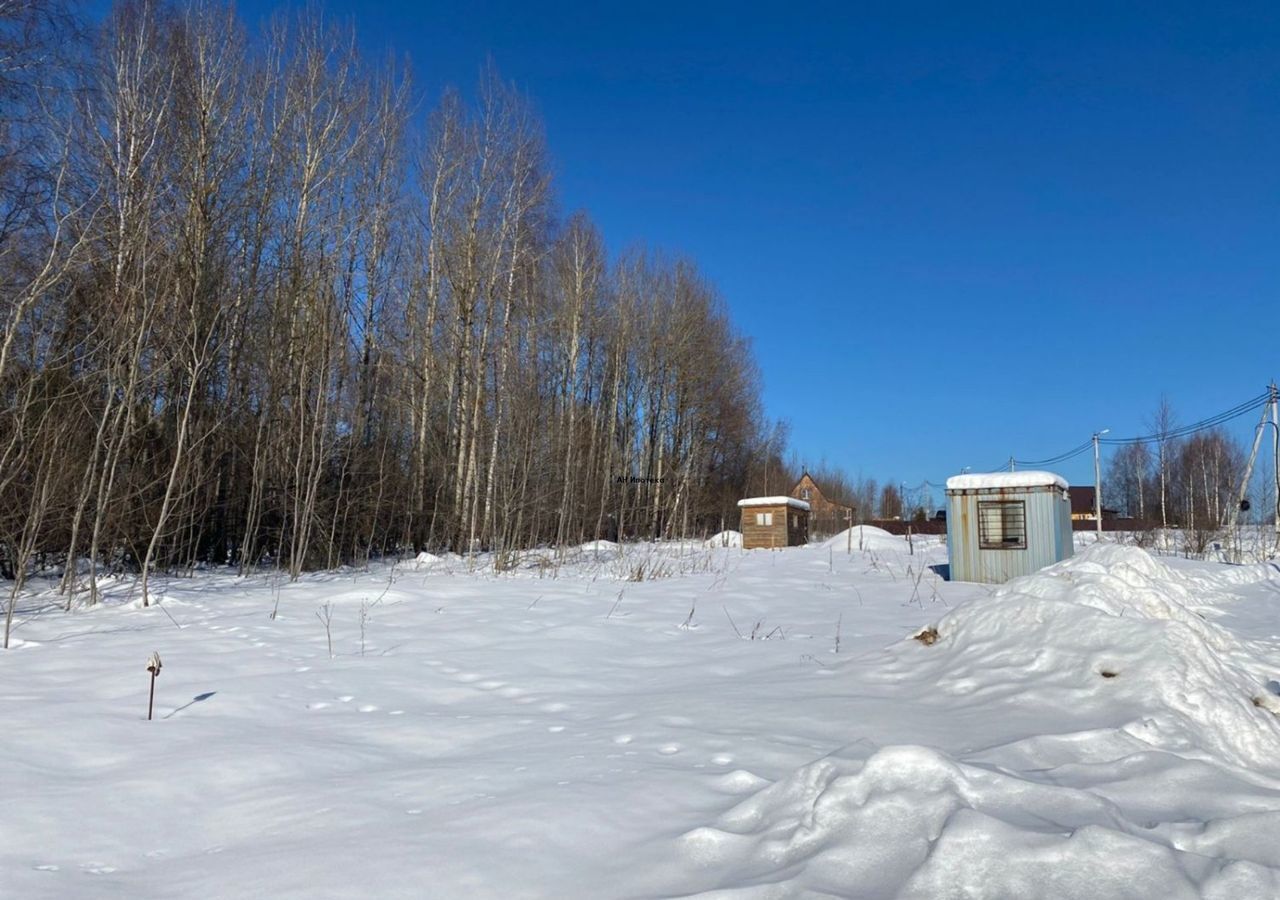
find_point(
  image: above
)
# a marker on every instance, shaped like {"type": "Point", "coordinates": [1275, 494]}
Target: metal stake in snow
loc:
{"type": "Point", "coordinates": [153, 666]}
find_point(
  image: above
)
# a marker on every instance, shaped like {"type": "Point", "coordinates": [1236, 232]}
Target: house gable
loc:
{"type": "Point", "coordinates": [807, 489]}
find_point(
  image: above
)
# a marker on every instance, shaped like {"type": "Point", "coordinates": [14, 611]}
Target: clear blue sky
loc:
{"type": "Point", "coordinates": [954, 232]}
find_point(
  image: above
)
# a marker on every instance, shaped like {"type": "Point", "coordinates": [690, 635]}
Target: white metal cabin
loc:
{"type": "Point", "coordinates": [1006, 524]}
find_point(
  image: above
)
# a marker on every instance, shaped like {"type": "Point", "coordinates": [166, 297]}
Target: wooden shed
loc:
{"type": "Point", "coordinates": [774, 522]}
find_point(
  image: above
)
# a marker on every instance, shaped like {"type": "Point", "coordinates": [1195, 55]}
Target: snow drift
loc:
{"type": "Point", "coordinates": [1104, 666]}
{"type": "Point", "coordinates": [724, 539]}
{"type": "Point", "coordinates": [599, 546]}
{"type": "Point", "coordinates": [912, 822]}
{"type": "Point", "coordinates": [1111, 625]}
{"type": "Point", "coordinates": [425, 560]}
{"type": "Point", "coordinates": [867, 537]}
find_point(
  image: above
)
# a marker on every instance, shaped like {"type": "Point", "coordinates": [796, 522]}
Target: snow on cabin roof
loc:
{"type": "Point", "coordinates": [1005, 480]}
{"type": "Point", "coordinates": [774, 501]}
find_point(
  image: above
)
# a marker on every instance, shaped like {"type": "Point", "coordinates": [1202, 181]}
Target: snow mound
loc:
{"type": "Point", "coordinates": [425, 560]}
{"type": "Point", "coordinates": [867, 537]}
{"type": "Point", "coordinates": [913, 822]}
{"type": "Point", "coordinates": [1113, 628]}
{"type": "Point", "coordinates": [598, 547]}
{"type": "Point", "coordinates": [724, 539]}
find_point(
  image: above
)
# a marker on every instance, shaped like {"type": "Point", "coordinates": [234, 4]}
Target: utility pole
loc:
{"type": "Point", "coordinates": [1097, 481]}
{"type": "Point", "coordinates": [1233, 533]}
{"type": "Point", "coordinates": [1275, 458]}
{"type": "Point", "coordinates": [1011, 464]}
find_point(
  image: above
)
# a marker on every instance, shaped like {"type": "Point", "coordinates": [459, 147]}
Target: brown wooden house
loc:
{"type": "Point", "coordinates": [774, 522]}
{"type": "Point", "coordinates": [826, 517]}
{"type": "Point", "coordinates": [1082, 506]}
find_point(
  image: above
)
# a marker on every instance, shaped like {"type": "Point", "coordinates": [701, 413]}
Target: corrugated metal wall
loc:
{"type": "Point", "coordinates": [1048, 530]}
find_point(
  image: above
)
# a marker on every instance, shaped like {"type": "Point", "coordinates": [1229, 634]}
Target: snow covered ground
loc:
{"type": "Point", "coordinates": [654, 722]}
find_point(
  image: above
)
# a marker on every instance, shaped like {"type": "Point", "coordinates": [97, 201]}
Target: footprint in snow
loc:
{"type": "Point", "coordinates": [45, 868]}
{"type": "Point", "coordinates": [368, 708]}
{"type": "Point", "coordinates": [346, 698]}
{"type": "Point", "coordinates": [623, 739]}
{"type": "Point", "coordinates": [96, 868]}
{"type": "Point", "coordinates": [669, 749]}
{"type": "Point", "coordinates": [318, 705]}
{"type": "Point", "coordinates": [722, 759]}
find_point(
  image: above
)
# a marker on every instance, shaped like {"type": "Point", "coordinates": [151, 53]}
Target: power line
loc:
{"type": "Point", "coordinates": [1196, 427]}
{"type": "Point", "coordinates": [1240, 409]}
{"type": "Point", "coordinates": [1061, 457]}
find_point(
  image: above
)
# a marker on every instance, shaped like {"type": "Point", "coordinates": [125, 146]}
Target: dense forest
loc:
{"type": "Point", "coordinates": [264, 303]}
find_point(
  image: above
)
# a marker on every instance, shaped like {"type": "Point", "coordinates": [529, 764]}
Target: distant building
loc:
{"type": "Point", "coordinates": [826, 517]}
{"type": "Point", "coordinates": [1082, 505]}
{"type": "Point", "coordinates": [1006, 524]}
{"type": "Point", "coordinates": [774, 522]}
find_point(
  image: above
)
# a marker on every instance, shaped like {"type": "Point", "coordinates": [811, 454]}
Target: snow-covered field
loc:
{"type": "Point", "coordinates": [734, 724]}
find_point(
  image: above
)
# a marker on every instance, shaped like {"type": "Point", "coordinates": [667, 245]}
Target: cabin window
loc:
{"type": "Point", "coordinates": [1002, 524]}
{"type": "Point", "coordinates": [764, 518]}
{"type": "Point", "coordinates": [804, 494]}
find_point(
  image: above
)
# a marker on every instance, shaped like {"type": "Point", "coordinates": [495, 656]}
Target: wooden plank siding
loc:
{"type": "Point", "coordinates": [825, 517]}
{"type": "Point", "coordinates": [790, 527]}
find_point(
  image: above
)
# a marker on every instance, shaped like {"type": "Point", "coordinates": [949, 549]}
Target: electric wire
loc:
{"type": "Point", "coordinates": [1061, 457]}
{"type": "Point", "coordinates": [1196, 427]}
{"type": "Point", "coordinates": [1181, 431]}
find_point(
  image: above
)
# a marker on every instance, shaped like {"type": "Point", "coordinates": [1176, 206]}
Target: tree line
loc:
{"type": "Point", "coordinates": [263, 304]}
{"type": "Point", "coordinates": [1192, 482]}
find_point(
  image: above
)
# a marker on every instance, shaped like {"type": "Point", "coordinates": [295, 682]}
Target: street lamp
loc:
{"type": "Point", "coordinates": [1097, 481]}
